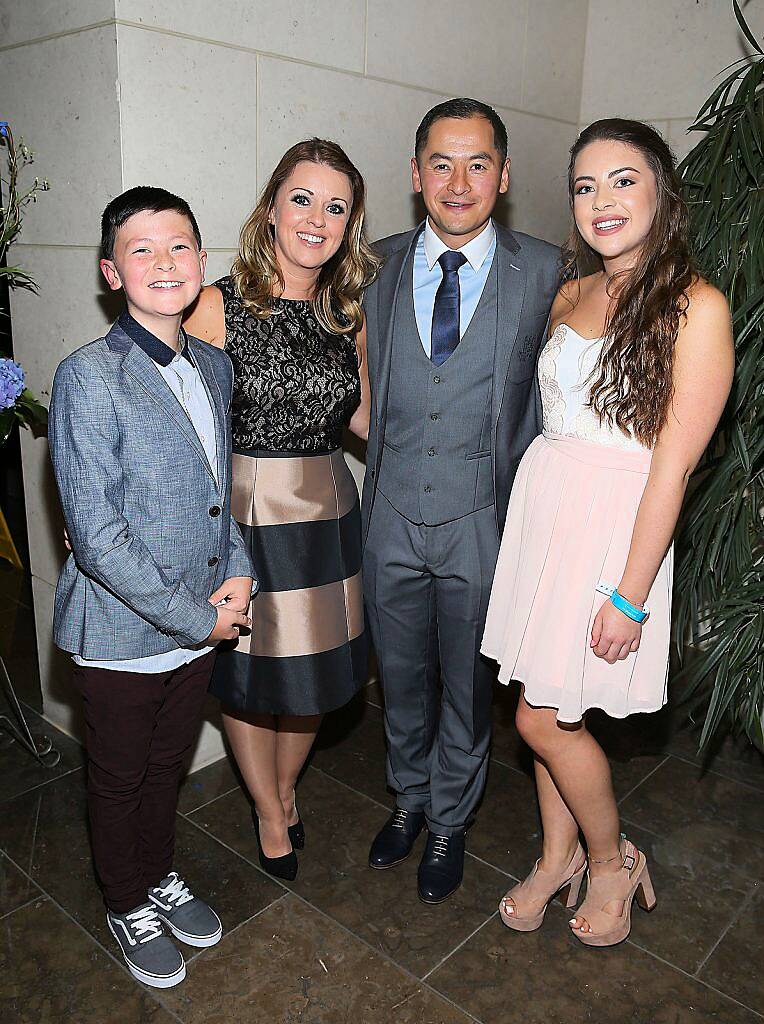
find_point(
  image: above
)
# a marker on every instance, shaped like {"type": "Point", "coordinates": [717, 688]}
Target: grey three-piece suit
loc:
{"type": "Point", "coordinates": [444, 445]}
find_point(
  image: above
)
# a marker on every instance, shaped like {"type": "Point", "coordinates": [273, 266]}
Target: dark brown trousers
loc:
{"type": "Point", "coordinates": [140, 733]}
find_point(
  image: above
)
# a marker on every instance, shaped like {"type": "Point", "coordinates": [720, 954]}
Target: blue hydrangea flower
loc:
{"type": "Point", "coordinates": [11, 383]}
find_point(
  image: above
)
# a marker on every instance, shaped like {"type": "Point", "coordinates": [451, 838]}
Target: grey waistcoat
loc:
{"type": "Point", "coordinates": [436, 462]}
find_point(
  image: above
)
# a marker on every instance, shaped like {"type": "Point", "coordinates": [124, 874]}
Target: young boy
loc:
{"type": "Point", "coordinates": [141, 446]}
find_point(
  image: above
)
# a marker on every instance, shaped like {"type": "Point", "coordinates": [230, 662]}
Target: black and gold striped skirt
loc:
{"type": "Point", "coordinates": [306, 653]}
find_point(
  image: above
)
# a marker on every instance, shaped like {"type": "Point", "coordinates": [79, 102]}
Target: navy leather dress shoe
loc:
{"type": "Point", "coordinates": [441, 867]}
{"type": "Point", "coordinates": [396, 838]}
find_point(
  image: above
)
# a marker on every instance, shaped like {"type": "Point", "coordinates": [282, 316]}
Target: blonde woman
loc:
{"type": "Point", "coordinates": [289, 316]}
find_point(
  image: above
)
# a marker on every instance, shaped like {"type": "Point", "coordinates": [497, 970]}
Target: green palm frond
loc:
{"type": "Point", "coordinates": [18, 156]}
{"type": "Point", "coordinates": [719, 592]}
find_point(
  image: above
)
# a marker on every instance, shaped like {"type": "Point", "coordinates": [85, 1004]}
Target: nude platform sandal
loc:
{"type": "Point", "coordinates": [526, 912]}
{"type": "Point", "coordinates": [630, 882]}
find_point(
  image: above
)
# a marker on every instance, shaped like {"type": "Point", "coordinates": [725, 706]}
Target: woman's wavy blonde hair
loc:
{"type": "Point", "coordinates": [633, 384]}
{"type": "Point", "coordinates": [343, 278]}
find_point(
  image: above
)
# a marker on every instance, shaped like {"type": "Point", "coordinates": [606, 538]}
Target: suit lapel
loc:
{"type": "Point", "coordinates": [142, 369]}
{"type": "Point", "coordinates": [206, 367]}
{"type": "Point", "coordinates": [387, 301]}
{"type": "Point", "coordinates": [512, 277]}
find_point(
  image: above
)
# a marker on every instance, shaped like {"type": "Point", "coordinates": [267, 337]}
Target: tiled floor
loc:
{"type": "Point", "coordinates": [345, 944]}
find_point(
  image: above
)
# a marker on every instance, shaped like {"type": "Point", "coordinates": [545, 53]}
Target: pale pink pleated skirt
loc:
{"type": "Point", "coordinates": [569, 526]}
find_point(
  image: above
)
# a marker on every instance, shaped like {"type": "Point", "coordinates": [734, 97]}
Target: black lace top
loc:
{"type": "Point", "coordinates": [295, 385]}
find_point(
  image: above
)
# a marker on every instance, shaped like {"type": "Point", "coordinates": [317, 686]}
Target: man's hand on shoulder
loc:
{"type": "Point", "coordinates": [234, 593]}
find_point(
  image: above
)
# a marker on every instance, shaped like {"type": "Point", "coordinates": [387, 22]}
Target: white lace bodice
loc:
{"type": "Point", "coordinates": [565, 366]}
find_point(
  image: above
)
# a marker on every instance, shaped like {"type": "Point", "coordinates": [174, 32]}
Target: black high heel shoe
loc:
{"type": "Point", "coordinates": [280, 867]}
{"type": "Point", "coordinates": [296, 831]}
{"type": "Point", "coordinates": [297, 834]}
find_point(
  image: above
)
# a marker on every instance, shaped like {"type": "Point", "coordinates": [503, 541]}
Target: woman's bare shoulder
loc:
{"type": "Point", "coordinates": [706, 328]}
{"type": "Point", "coordinates": [706, 300]}
{"type": "Point", "coordinates": [206, 318]}
{"type": "Point", "coordinates": [569, 295]}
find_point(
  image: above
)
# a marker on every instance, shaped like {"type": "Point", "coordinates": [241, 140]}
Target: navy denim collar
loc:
{"type": "Point", "coordinates": [151, 345]}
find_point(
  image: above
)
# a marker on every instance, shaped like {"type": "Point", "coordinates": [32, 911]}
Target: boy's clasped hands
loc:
{"type": "Point", "coordinates": [232, 601]}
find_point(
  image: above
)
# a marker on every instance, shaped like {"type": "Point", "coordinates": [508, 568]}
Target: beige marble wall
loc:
{"type": "Point", "coordinates": [203, 98]}
{"type": "Point", "coordinates": [659, 60]}
{"type": "Point", "coordinates": [60, 94]}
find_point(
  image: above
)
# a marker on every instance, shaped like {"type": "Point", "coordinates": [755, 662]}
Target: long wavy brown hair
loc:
{"type": "Point", "coordinates": [632, 383]}
{"type": "Point", "coordinates": [343, 278]}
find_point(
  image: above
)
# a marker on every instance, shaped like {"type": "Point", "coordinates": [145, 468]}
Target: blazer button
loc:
{"type": "Point", "coordinates": [431, 451]}
{"type": "Point", "coordinates": [215, 511]}
{"type": "Point", "coordinates": [213, 561]}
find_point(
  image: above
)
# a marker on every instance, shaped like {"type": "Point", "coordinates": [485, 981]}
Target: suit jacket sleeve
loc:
{"type": "Point", "coordinates": [239, 560]}
{"type": "Point", "coordinates": [83, 434]}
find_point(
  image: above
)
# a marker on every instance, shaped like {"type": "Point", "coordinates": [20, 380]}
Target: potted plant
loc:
{"type": "Point", "coordinates": [719, 605]}
{"type": "Point", "coordinates": [17, 404]}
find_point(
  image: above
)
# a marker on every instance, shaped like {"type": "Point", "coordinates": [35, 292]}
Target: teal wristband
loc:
{"type": "Point", "coordinates": [628, 609]}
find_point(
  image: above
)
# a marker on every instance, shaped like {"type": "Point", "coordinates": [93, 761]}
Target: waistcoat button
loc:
{"type": "Point", "coordinates": [215, 511]}
{"type": "Point", "coordinates": [213, 561]}
{"type": "Point", "coordinates": [431, 451]}
{"type": "Point", "coordinates": [436, 380]}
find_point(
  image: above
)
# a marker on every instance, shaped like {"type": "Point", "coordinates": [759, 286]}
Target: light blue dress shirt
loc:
{"type": "Point", "coordinates": [428, 275]}
{"type": "Point", "coordinates": [185, 382]}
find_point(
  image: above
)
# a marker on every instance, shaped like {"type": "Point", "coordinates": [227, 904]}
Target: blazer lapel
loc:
{"type": "Point", "coordinates": [512, 277]}
{"type": "Point", "coordinates": [387, 301]}
{"type": "Point", "coordinates": [142, 369]}
{"type": "Point", "coordinates": [207, 370]}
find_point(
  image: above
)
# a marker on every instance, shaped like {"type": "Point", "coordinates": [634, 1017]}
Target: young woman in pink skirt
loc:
{"type": "Point", "coordinates": [633, 380]}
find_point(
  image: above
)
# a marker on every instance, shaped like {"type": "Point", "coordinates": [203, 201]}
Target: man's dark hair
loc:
{"type": "Point", "coordinates": [462, 108]}
{"type": "Point", "coordinates": [140, 199]}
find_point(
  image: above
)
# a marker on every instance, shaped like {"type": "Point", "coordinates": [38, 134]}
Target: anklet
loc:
{"type": "Point", "coordinates": [607, 860]}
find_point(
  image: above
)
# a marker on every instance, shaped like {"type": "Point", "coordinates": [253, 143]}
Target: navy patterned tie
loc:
{"type": "Point", "coordinates": [445, 314]}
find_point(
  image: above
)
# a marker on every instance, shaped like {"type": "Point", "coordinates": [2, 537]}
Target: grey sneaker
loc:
{"type": "Point", "coordinates": [188, 918]}
{"type": "Point", "coordinates": [150, 956]}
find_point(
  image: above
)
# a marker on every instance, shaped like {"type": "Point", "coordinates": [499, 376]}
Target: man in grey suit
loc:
{"type": "Point", "coordinates": [455, 322]}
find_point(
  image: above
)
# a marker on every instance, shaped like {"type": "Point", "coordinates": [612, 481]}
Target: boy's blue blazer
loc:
{"type": "Point", "coordinates": [151, 529]}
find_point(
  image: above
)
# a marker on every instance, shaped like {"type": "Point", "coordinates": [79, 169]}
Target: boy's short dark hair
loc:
{"type": "Point", "coordinates": [462, 108]}
{"type": "Point", "coordinates": [138, 200]}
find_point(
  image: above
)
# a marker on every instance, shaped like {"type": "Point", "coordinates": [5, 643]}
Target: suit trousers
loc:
{"type": "Point", "coordinates": [427, 590]}
{"type": "Point", "coordinates": [140, 730]}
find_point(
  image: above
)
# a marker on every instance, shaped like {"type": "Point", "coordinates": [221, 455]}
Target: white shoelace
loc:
{"type": "Point", "coordinates": [440, 847]}
{"type": "Point", "coordinates": [399, 821]}
{"type": "Point", "coordinates": [145, 924]}
{"type": "Point", "coordinates": [176, 891]}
